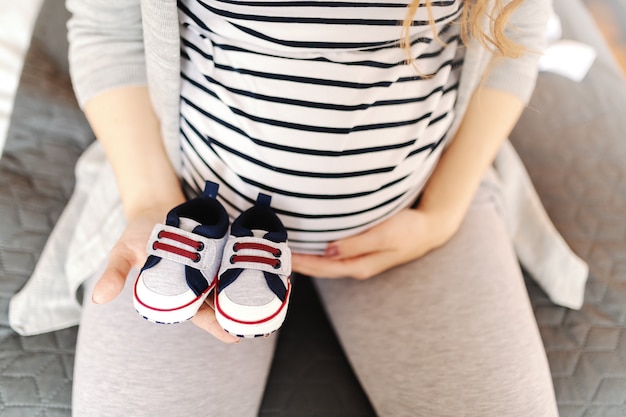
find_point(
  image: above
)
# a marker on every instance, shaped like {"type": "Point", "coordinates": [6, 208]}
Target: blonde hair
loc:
{"type": "Point", "coordinates": [474, 11]}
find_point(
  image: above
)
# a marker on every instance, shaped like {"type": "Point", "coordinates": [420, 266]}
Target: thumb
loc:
{"type": "Point", "coordinates": [205, 319]}
{"type": "Point", "coordinates": [351, 247]}
{"type": "Point", "coordinates": [112, 280]}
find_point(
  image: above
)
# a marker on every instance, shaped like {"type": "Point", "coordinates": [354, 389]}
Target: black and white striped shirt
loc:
{"type": "Point", "coordinates": [312, 102]}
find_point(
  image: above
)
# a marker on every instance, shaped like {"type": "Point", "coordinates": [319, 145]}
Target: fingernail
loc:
{"type": "Point", "coordinates": [331, 251]}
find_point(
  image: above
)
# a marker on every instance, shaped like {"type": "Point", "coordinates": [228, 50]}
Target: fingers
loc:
{"type": "Point", "coordinates": [122, 258]}
{"type": "Point", "coordinates": [205, 319]}
{"type": "Point", "coordinates": [361, 267]}
{"type": "Point", "coordinates": [355, 246]}
{"type": "Point", "coordinates": [316, 266]}
{"type": "Point", "coordinates": [112, 281]}
{"type": "Point", "coordinates": [398, 233]}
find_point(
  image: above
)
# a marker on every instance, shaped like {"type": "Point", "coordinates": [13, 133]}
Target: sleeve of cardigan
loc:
{"type": "Point", "coordinates": [106, 46]}
{"type": "Point", "coordinates": [526, 27]}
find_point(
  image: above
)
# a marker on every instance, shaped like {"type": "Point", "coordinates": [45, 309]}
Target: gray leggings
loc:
{"type": "Point", "coordinates": [450, 334]}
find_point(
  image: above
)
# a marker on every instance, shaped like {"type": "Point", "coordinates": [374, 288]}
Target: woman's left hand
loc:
{"type": "Point", "coordinates": [402, 238]}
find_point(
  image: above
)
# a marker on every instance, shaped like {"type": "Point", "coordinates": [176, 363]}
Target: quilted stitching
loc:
{"type": "Point", "coordinates": [36, 180]}
{"type": "Point", "coordinates": [36, 373]}
{"type": "Point", "coordinates": [577, 166]}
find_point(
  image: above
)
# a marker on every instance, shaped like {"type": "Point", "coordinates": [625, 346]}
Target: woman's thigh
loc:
{"type": "Point", "coordinates": [127, 366]}
{"type": "Point", "coordinates": [451, 334]}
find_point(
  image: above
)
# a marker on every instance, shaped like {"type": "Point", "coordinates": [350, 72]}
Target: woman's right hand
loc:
{"type": "Point", "coordinates": [130, 133]}
{"type": "Point", "coordinates": [129, 252]}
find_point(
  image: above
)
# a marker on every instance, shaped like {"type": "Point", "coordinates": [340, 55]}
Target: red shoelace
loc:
{"type": "Point", "coordinates": [274, 262]}
{"type": "Point", "coordinates": [194, 256]}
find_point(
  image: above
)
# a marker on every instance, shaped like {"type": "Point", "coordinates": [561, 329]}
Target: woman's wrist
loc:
{"type": "Point", "coordinates": [130, 133]}
{"type": "Point", "coordinates": [443, 222]}
{"type": "Point", "coordinates": [157, 197]}
{"type": "Point", "coordinates": [449, 192]}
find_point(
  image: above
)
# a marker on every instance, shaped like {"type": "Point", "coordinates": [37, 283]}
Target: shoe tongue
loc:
{"type": "Point", "coordinates": [187, 224]}
{"type": "Point", "coordinates": [275, 236]}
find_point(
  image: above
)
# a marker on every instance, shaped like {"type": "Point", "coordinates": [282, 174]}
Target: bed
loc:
{"type": "Point", "coordinates": [571, 138]}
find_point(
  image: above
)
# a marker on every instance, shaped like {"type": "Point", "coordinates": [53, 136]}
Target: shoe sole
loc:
{"type": "Point", "coordinates": [250, 329]}
{"type": "Point", "coordinates": [171, 315]}
{"type": "Point", "coordinates": [243, 336]}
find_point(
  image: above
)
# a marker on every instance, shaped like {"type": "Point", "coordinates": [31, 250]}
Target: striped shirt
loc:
{"type": "Point", "coordinates": [313, 103]}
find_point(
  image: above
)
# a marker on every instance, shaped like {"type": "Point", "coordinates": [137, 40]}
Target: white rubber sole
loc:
{"type": "Point", "coordinates": [179, 309]}
{"type": "Point", "coordinates": [263, 326]}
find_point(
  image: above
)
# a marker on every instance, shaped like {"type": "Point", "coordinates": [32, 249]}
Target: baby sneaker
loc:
{"type": "Point", "coordinates": [184, 257]}
{"type": "Point", "coordinates": [253, 285]}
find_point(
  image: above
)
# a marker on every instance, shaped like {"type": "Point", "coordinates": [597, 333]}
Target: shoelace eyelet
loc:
{"type": "Point", "coordinates": [232, 260]}
{"type": "Point", "coordinates": [198, 257]}
{"type": "Point", "coordinates": [200, 246]}
{"type": "Point", "coordinates": [277, 265]}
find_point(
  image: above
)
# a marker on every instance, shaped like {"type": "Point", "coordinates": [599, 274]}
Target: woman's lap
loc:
{"type": "Point", "coordinates": [128, 366]}
{"type": "Point", "coordinates": [450, 334]}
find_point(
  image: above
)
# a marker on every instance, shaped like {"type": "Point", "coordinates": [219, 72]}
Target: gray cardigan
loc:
{"type": "Point", "coordinates": [117, 43]}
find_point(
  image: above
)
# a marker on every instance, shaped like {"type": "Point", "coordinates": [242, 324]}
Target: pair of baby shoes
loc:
{"type": "Point", "coordinates": [194, 253]}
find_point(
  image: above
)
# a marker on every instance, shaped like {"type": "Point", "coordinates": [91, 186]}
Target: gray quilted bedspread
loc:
{"type": "Point", "coordinates": [579, 169]}
{"type": "Point", "coordinates": [576, 154]}
{"type": "Point", "coordinates": [572, 140]}
{"type": "Point", "coordinates": [46, 136]}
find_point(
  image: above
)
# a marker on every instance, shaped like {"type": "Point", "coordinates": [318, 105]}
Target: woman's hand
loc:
{"type": "Point", "coordinates": [130, 252]}
{"type": "Point", "coordinates": [402, 238]}
{"type": "Point", "coordinates": [130, 133]}
{"type": "Point", "coordinates": [490, 116]}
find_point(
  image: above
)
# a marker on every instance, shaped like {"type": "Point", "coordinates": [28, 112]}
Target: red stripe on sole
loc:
{"type": "Point", "coordinates": [175, 308]}
{"type": "Point", "coordinates": [266, 319]}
